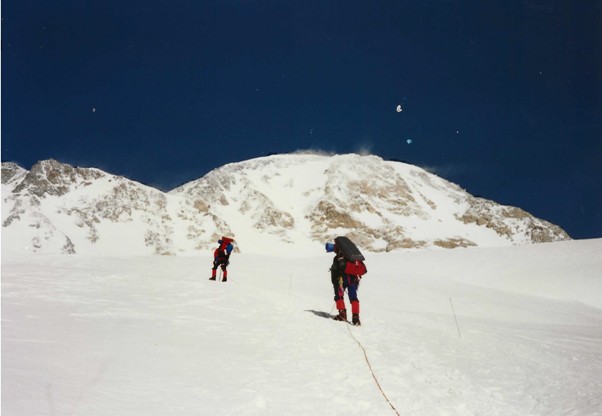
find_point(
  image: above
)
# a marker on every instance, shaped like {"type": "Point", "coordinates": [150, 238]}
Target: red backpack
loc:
{"type": "Point", "coordinates": [355, 268]}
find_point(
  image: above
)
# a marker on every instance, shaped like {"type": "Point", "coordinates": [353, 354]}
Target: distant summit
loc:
{"type": "Point", "coordinates": [291, 203]}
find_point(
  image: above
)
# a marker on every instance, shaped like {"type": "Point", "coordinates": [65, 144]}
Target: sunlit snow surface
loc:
{"type": "Point", "coordinates": [152, 336]}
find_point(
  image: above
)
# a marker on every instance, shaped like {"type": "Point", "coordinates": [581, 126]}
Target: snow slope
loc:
{"type": "Point", "coordinates": [151, 335]}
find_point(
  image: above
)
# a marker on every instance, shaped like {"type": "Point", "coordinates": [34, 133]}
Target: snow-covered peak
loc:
{"type": "Point", "coordinates": [50, 177]}
{"type": "Point", "coordinates": [56, 207]}
{"type": "Point", "coordinates": [12, 173]}
{"type": "Point", "coordinates": [303, 199]}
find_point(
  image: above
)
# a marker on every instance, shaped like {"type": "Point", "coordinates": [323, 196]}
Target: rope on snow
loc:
{"type": "Point", "coordinates": [372, 371]}
{"type": "Point", "coordinates": [370, 367]}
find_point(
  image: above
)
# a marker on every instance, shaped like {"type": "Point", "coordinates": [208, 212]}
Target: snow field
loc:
{"type": "Point", "coordinates": [152, 336]}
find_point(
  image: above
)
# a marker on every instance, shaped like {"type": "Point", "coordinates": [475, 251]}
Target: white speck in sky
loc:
{"type": "Point", "coordinates": [93, 109]}
{"type": "Point", "coordinates": [399, 109]}
{"type": "Point", "coordinates": [409, 141]}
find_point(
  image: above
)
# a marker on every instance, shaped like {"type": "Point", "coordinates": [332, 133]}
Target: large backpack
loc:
{"type": "Point", "coordinates": [348, 249]}
{"type": "Point", "coordinates": [354, 264]}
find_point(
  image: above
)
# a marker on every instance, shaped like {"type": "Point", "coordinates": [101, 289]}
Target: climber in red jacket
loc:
{"type": "Point", "coordinates": [221, 258]}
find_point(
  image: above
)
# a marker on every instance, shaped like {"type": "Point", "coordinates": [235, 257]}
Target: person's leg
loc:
{"type": "Point", "coordinates": [213, 270]}
{"type": "Point", "coordinates": [225, 274]}
{"type": "Point", "coordinates": [355, 302]}
{"type": "Point", "coordinates": [340, 300]}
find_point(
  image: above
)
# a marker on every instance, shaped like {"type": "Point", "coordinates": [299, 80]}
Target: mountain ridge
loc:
{"type": "Point", "coordinates": [292, 199]}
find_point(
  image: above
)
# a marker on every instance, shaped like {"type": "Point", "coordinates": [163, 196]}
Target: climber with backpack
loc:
{"type": "Point", "coordinates": [221, 258]}
{"type": "Point", "coordinates": [345, 273]}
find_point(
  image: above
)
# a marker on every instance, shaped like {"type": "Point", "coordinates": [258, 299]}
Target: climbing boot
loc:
{"type": "Point", "coordinates": [342, 316]}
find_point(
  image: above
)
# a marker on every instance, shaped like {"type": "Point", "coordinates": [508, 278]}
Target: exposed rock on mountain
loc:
{"type": "Point", "coordinates": [50, 177]}
{"type": "Point", "coordinates": [509, 221]}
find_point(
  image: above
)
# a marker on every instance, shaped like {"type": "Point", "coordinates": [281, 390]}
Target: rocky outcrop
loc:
{"type": "Point", "coordinates": [50, 177]}
{"type": "Point", "coordinates": [12, 173]}
{"type": "Point", "coordinates": [510, 221]}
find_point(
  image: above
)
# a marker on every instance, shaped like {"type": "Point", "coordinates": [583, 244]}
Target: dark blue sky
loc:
{"type": "Point", "coordinates": [503, 97]}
